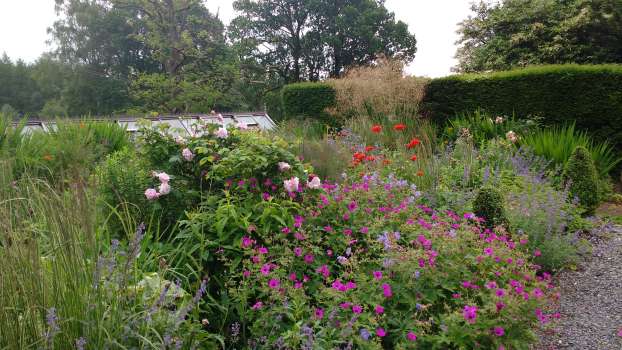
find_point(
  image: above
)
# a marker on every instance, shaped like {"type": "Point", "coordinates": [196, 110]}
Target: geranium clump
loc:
{"type": "Point", "coordinates": [368, 264]}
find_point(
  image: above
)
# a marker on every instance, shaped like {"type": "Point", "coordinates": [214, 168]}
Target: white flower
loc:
{"type": "Point", "coordinates": [180, 140]}
{"type": "Point", "coordinates": [498, 120]}
{"type": "Point", "coordinates": [164, 188]}
{"type": "Point", "coordinates": [291, 185]}
{"type": "Point", "coordinates": [187, 154]}
{"type": "Point", "coordinates": [284, 166]}
{"type": "Point", "coordinates": [222, 133]}
{"type": "Point", "coordinates": [315, 183]}
{"type": "Point", "coordinates": [511, 136]}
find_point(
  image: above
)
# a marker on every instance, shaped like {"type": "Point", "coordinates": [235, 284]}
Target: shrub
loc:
{"type": "Point", "coordinates": [588, 95]}
{"type": "Point", "coordinates": [378, 91]}
{"type": "Point", "coordinates": [307, 100]}
{"type": "Point", "coordinates": [581, 177]}
{"type": "Point", "coordinates": [489, 204]}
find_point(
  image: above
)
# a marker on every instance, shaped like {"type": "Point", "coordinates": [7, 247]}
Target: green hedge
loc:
{"type": "Point", "coordinates": [589, 95]}
{"type": "Point", "coordinates": [307, 99]}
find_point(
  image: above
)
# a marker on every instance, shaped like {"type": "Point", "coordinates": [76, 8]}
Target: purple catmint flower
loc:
{"type": "Point", "coordinates": [51, 319]}
{"type": "Point", "coordinates": [364, 334]}
{"type": "Point", "coordinates": [195, 301]}
{"type": "Point", "coordinates": [80, 343]}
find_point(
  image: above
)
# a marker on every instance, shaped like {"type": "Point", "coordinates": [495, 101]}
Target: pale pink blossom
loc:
{"type": "Point", "coordinates": [187, 154]}
{"type": "Point", "coordinates": [511, 136]}
{"type": "Point", "coordinates": [222, 133]}
{"type": "Point", "coordinates": [315, 183]}
{"type": "Point", "coordinates": [163, 177]}
{"type": "Point", "coordinates": [164, 188]}
{"type": "Point", "coordinates": [151, 194]}
{"type": "Point", "coordinates": [284, 166]}
{"type": "Point", "coordinates": [241, 126]}
{"type": "Point", "coordinates": [291, 185]}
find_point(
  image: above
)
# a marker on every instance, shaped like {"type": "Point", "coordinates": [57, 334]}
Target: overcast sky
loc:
{"type": "Point", "coordinates": [23, 25]}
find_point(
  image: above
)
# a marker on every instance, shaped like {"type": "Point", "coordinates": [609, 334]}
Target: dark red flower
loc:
{"type": "Point", "coordinates": [376, 128]}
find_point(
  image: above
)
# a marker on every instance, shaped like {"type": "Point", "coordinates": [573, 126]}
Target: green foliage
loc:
{"type": "Point", "coordinates": [323, 38]}
{"type": "Point", "coordinates": [587, 95]}
{"type": "Point", "coordinates": [517, 33]}
{"type": "Point", "coordinates": [122, 179]}
{"type": "Point", "coordinates": [582, 178]}
{"type": "Point", "coordinates": [10, 135]}
{"type": "Point", "coordinates": [481, 126]}
{"type": "Point", "coordinates": [307, 100]}
{"type": "Point", "coordinates": [489, 204]}
{"type": "Point", "coordinates": [274, 105]}
{"type": "Point", "coordinates": [160, 93]}
{"type": "Point", "coordinates": [68, 285]}
{"type": "Point", "coordinates": [557, 143]}
{"type": "Point", "coordinates": [70, 151]}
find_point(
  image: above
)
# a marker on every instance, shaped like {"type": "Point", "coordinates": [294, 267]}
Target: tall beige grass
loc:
{"type": "Point", "coordinates": [378, 90]}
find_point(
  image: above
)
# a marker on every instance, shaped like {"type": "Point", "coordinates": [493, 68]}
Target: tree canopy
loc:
{"type": "Point", "coordinates": [314, 39]}
{"type": "Point", "coordinates": [517, 33]}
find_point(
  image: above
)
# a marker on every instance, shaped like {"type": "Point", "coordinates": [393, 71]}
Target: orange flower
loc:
{"type": "Point", "coordinates": [414, 157]}
{"type": "Point", "coordinates": [413, 143]}
{"type": "Point", "coordinates": [47, 157]}
{"type": "Point", "coordinates": [386, 162]}
{"type": "Point", "coordinates": [376, 128]}
{"type": "Point", "coordinates": [369, 148]}
{"type": "Point", "coordinates": [420, 173]}
{"type": "Point", "coordinates": [399, 127]}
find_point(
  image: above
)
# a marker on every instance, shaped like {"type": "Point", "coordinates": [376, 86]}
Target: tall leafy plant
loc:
{"type": "Point", "coordinates": [558, 142]}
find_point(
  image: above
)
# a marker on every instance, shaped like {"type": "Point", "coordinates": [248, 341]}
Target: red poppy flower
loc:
{"type": "Point", "coordinates": [376, 128]}
{"type": "Point", "coordinates": [413, 143]}
{"type": "Point", "coordinates": [359, 156]}
{"type": "Point", "coordinates": [370, 158]}
{"type": "Point", "coordinates": [369, 148]}
{"type": "Point", "coordinates": [414, 157]}
{"type": "Point", "coordinates": [399, 127]}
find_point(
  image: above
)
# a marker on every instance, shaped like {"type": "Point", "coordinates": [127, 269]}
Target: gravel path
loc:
{"type": "Point", "coordinates": [591, 299]}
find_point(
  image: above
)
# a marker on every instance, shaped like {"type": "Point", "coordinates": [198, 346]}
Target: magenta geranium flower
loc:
{"type": "Point", "coordinates": [411, 336]}
{"type": "Point", "coordinates": [498, 331]}
{"type": "Point", "coordinates": [274, 283]}
{"type": "Point", "coordinates": [380, 332]}
{"type": "Point", "coordinates": [323, 270]}
{"type": "Point", "coordinates": [469, 313]}
{"type": "Point", "coordinates": [379, 309]}
{"type": "Point", "coordinates": [298, 251]}
{"type": "Point", "coordinates": [265, 269]}
{"type": "Point", "coordinates": [319, 313]}
{"type": "Point", "coordinates": [357, 309]}
{"type": "Point", "coordinates": [377, 275]}
{"type": "Point", "coordinates": [386, 290]}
